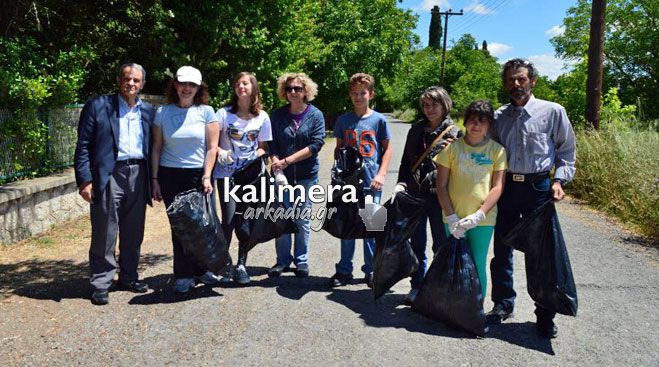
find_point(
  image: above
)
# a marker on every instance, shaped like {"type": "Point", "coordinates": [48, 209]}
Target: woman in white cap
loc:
{"type": "Point", "coordinates": [185, 147]}
{"type": "Point", "coordinates": [244, 133]}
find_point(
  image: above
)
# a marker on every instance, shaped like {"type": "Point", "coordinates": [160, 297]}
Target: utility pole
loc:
{"type": "Point", "coordinates": [595, 63]}
{"type": "Point", "coordinates": [446, 15]}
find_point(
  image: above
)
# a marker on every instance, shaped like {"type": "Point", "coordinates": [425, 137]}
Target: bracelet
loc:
{"type": "Point", "coordinates": [154, 178]}
{"type": "Point", "coordinates": [285, 161]}
{"type": "Point", "coordinates": [205, 178]}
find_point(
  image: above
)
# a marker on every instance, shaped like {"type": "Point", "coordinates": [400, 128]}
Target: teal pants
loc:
{"type": "Point", "coordinates": [479, 242]}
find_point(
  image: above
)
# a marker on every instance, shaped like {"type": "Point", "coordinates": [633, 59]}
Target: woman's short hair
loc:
{"type": "Point", "coordinates": [310, 87]}
{"type": "Point", "coordinates": [439, 95]}
{"type": "Point", "coordinates": [255, 105]}
{"type": "Point", "coordinates": [201, 97]}
{"type": "Point", "coordinates": [481, 108]}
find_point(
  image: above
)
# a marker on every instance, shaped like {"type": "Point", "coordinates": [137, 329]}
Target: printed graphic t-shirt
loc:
{"type": "Point", "coordinates": [241, 138]}
{"type": "Point", "coordinates": [184, 134]}
{"type": "Point", "coordinates": [367, 134]}
{"type": "Point", "coordinates": [471, 175]}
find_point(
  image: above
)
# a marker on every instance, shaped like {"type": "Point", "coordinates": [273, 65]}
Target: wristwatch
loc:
{"type": "Point", "coordinates": [562, 182]}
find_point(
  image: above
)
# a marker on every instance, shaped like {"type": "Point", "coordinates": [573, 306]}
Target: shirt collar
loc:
{"type": "Point", "coordinates": [528, 107]}
{"type": "Point", "coordinates": [123, 104]}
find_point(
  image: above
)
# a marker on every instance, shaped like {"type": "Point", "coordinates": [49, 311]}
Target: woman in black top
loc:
{"type": "Point", "coordinates": [436, 106]}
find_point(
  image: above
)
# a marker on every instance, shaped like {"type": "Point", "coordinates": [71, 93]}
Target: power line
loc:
{"type": "Point", "coordinates": [463, 28]}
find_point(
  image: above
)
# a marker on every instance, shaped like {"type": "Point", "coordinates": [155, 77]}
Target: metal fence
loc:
{"type": "Point", "coordinates": [56, 130]}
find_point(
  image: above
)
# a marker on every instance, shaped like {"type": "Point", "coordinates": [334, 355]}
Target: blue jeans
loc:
{"type": "Point", "coordinates": [344, 266]}
{"type": "Point", "coordinates": [433, 214]}
{"type": "Point", "coordinates": [518, 200]}
{"type": "Point", "coordinates": [283, 243]}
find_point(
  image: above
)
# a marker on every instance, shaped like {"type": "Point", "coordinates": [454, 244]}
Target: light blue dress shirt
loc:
{"type": "Point", "coordinates": [537, 137]}
{"type": "Point", "coordinates": [131, 136]}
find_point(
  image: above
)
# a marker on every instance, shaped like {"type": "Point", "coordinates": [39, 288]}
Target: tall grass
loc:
{"type": "Point", "coordinates": [618, 172]}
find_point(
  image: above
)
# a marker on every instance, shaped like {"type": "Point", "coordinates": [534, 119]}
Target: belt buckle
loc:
{"type": "Point", "coordinates": [518, 178]}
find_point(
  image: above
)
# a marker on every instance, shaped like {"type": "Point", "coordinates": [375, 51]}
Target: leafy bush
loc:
{"type": "Point", "coordinates": [618, 172]}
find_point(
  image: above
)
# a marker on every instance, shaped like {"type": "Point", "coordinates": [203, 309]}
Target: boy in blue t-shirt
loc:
{"type": "Point", "coordinates": [367, 130]}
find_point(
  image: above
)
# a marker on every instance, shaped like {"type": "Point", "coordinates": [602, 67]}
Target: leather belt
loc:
{"type": "Point", "coordinates": [529, 177]}
{"type": "Point", "coordinates": [131, 161]}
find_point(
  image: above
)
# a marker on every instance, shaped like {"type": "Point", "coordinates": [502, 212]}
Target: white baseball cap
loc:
{"type": "Point", "coordinates": [188, 74]}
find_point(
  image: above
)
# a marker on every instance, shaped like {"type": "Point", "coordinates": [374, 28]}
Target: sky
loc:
{"type": "Point", "coordinates": [512, 28]}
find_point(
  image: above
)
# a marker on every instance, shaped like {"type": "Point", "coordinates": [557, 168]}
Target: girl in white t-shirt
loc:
{"type": "Point", "coordinates": [244, 131]}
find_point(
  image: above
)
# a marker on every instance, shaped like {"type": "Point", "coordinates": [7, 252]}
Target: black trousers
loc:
{"type": "Point", "coordinates": [172, 182]}
{"type": "Point", "coordinates": [228, 208]}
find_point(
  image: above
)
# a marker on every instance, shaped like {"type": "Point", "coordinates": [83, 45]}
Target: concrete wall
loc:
{"type": "Point", "coordinates": [32, 206]}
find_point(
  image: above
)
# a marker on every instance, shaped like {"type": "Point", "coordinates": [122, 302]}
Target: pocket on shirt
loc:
{"type": "Point", "coordinates": [539, 143]}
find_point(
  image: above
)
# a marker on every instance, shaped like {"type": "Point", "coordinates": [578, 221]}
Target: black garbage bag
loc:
{"type": "Point", "coordinates": [394, 258]}
{"type": "Point", "coordinates": [194, 220]}
{"type": "Point", "coordinates": [549, 278]}
{"type": "Point", "coordinates": [345, 222]}
{"type": "Point", "coordinates": [451, 290]}
{"type": "Point", "coordinates": [256, 223]}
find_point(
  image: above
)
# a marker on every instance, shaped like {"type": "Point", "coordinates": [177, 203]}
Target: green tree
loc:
{"type": "Point", "coordinates": [631, 59]}
{"type": "Point", "coordinates": [371, 36]}
{"type": "Point", "coordinates": [435, 29]}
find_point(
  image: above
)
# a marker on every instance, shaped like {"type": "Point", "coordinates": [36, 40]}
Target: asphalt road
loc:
{"type": "Point", "coordinates": [46, 318]}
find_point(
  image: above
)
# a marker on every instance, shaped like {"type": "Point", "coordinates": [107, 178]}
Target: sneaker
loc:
{"type": "Point", "coordinates": [276, 270]}
{"type": "Point", "coordinates": [340, 279]}
{"type": "Point", "coordinates": [226, 276]}
{"type": "Point", "coordinates": [240, 275]}
{"type": "Point", "coordinates": [412, 295]}
{"type": "Point", "coordinates": [498, 314]}
{"type": "Point", "coordinates": [183, 285]}
{"type": "Point", "coordinates": [208, 278]}
{"type": "Point", "coordinates": [368, 279]}
{"type": "Point", "coordinates": [302, 270]}
{"type": "Point", "coordinates": [546, 330]}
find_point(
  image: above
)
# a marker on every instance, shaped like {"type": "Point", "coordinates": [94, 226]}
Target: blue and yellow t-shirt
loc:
{"type": "Point", "coordinates": [470, 179]}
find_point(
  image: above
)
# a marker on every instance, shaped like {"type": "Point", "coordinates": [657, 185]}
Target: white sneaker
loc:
{"type": "Point", "coordinates": [412, 295]}
{"type": "Point", "coordinates": [209, 278]}
{"type": "Point", "coordinates": [182, 285]}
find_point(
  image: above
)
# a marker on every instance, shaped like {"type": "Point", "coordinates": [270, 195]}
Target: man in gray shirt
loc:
{"type": "Point", "coordinates": [537, 136]}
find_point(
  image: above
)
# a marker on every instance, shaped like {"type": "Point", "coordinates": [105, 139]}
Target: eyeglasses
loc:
{"type": "Point", "coordinates": [297, 89]}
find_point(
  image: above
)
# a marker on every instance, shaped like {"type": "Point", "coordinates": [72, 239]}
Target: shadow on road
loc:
{"type": "Point", "coordinates": [54, 279]}
{"type": "Point", "coordinates": [161, 292]}
{"type": "Point", "coordinates": [390, 311]}
{"type": "Point", "coordinates": [522, 334]}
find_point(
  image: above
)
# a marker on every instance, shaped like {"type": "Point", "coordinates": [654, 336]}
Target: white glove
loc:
{"type": "Point", "coordinates": [453, 227]}
{"type": "Point", "coordinates": [472, 220]}
{"type": "Point", "coordinates": [398, 188]}
{"type": "Point", "coordinates": [224, 157]}
{"type": "Point", "coordinates": [280, 178]}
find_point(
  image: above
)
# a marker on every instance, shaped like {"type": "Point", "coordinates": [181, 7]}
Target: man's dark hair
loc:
{"type": "Point", "coordinates": [516, 64]}
{"type": "Point", "coordinates": [482, 108]}
{"type": "Point", "coordinates": [120, 71]}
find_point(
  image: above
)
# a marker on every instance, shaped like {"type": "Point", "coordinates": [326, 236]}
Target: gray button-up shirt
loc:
{"type": "Point", "coordinates": [536, 136]}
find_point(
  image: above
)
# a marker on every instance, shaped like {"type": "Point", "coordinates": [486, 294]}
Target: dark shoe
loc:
{"type": "Point", "coordinates": [340, 279]}
{"type": "Point", "coordinates": [302, 270]}
{"type": "Point", "coordinates": [100, 297]}
{"type": "Point", "coordinates": [368, 279]}
{"type": "Point", "coordinates": [134, 286]}
{"type": "Point", "coordinates": [276, 270]}
{"type": "Point", "coordinates": [546, 329]}
{"type": "Point", "coordinates": [498, 314]}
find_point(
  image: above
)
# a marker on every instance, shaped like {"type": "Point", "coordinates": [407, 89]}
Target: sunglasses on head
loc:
{"type": "Point", "coordinates": [297, 89]}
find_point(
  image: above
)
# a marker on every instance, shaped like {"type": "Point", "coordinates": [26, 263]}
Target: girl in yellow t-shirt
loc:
{"type": "Point", "coordinates": [470, 180]}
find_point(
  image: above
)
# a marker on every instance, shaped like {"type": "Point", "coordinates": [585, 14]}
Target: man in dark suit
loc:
{"type": "Point", "coordinates": [112, 174]}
